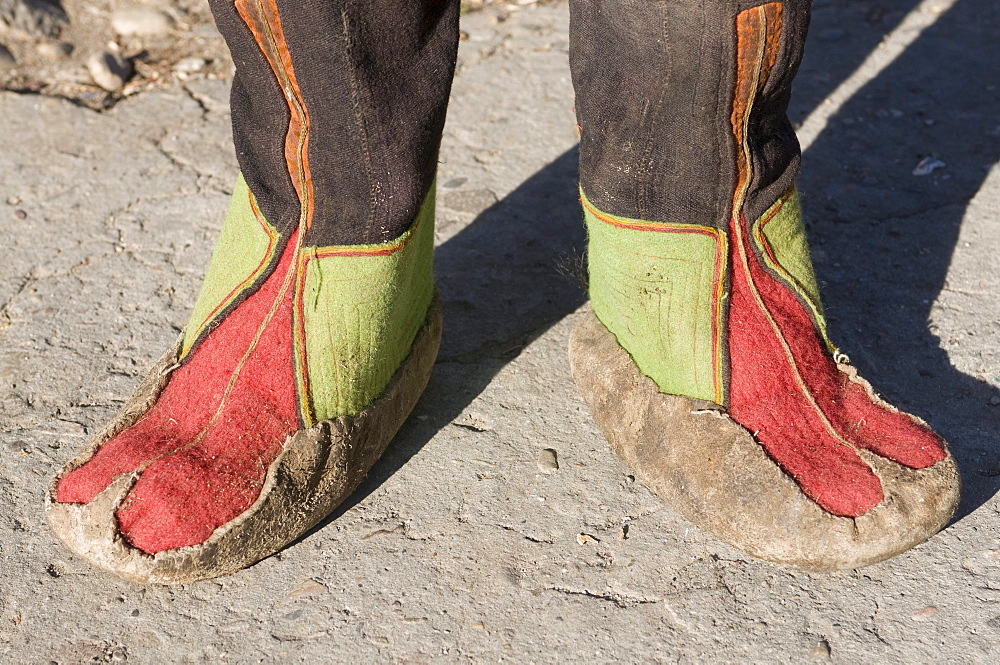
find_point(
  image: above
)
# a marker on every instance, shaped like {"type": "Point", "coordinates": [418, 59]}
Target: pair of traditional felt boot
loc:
{"type": "Point", "coordinates": [704, 359]}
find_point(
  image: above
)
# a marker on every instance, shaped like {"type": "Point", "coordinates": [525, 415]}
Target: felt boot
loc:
{"type": "Point", "coordinates": [317, 325]}
{"type": "Point", "coordinates": [705, 359]}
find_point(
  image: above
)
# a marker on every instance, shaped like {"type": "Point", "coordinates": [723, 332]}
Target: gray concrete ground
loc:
{"type": "Point", "coordinates": [464, 544]}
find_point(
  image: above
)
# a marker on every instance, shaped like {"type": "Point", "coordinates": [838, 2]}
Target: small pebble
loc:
{"type": "Point", "coordinates": [926, 613]}
{"type": "Point", "coordinates": [307, 588]}
{"type": "Point", "coordinates": [109, 70]}
{"type": "Point", "coordinates": [821, 651]}
{"type": "Point", "coordinates": [7, 60]}
{"type": "Point", "coordinates": [54, 50]}
{"type": "Point", "coordinates": [548, 461]}
{"type": "Point", "coordinates": [20, 214]}
{"type": "Point", "coordinates": [190, 65]}
{"type": "Point", "coordinates": [475, 421]}
{"type": "Point", "coordinates": [486, 156]}
{"type": "Point", "coordinates": [995, 400]}
{"type": "Point", "coordinates": [141, 22]}
{"type": "Point", "coordinates": [928, 165]}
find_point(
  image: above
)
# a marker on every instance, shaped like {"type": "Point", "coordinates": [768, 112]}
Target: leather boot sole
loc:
{"type": "Point", "coordinates": [712, 471]}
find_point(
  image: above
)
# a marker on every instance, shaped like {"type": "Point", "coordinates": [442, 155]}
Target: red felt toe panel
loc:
{"type": "Point", "coordinates": [808, 415]}
{"type": "Point", "coordinates": [205, 447]}
{"type": "Point", "coordinates": [769, 397]}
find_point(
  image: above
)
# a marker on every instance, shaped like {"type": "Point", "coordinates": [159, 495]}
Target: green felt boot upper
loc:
{"type": "Point", "coordinates": [661, 287]}
{"type": "Point", "coordinates": [356, 309]}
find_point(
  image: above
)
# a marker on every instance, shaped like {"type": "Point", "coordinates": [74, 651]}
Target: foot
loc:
{"type": "Point", "coordinates": [203, 450]}
{"type": "Point", "coordinates": [285, 340]}
{"type": "Point", "coordinates": [767, 365]}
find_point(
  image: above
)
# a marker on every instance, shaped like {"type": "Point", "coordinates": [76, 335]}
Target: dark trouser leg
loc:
{"type": "Point", "coordinates": [367, 84]}
{"type": "Point", "coordinates": [656, 84]}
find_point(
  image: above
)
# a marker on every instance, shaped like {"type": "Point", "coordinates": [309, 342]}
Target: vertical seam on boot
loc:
{"type": "Point", "coordinates": [363, 138]}
{"type": "Point", "coordinates": [642, 176]}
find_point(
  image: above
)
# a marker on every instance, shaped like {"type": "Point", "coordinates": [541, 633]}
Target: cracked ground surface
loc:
{"type": "Point", "coordinates": [500, 527]}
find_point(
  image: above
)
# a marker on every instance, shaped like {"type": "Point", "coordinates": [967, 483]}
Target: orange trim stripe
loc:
{"type": "Point", "coordinates": [721, 265]}
{"type": "Point", "coordinates": [772, 40]}
{"type": "Point", "coordinates": [299, 323]}
{"type": "Point", "coordinates": [381, 249]}
{"type": "Point", "coordinates": [329, 251]}
{"type": "Point", "coordinates": [263, 18]}
{"type": "Point", "coordinates": [264, 21]}
{"type": "Point", "coordinates": [642, 225]}
{"type": "Point", "coordinates": [358, 250]}
{"type": "Point", "coordinates": [758, 41]}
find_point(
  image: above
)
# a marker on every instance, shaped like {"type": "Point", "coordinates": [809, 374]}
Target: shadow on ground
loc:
{"type": "Point", "coordinates": [887, 237]}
